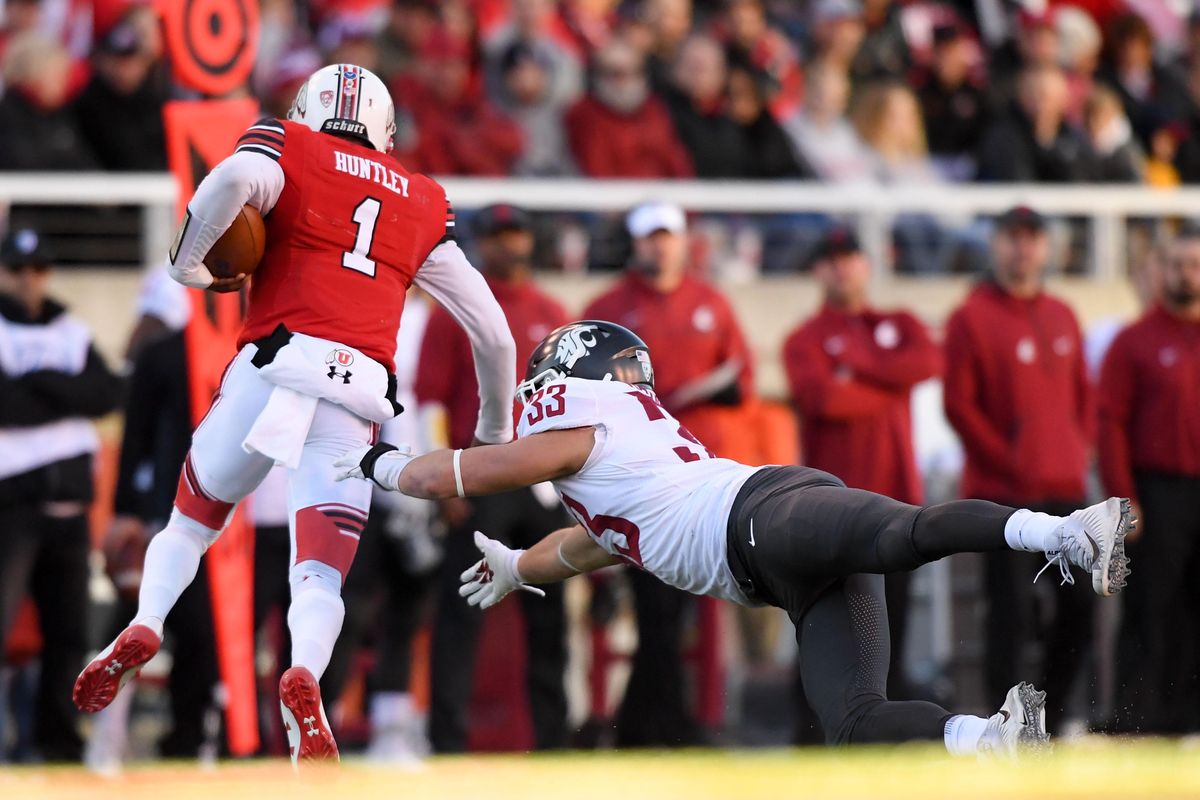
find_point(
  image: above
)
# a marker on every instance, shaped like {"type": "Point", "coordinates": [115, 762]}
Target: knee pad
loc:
{"type": "Point", "coordinates": [186, 524]}
{"type": "Point", "coordinates": [315, 575]}
{"type": "Point", "coordinates": [197, 503]}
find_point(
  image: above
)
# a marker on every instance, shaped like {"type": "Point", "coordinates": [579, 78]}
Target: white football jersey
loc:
{"type": "Point", "coordinates": [650, 493]}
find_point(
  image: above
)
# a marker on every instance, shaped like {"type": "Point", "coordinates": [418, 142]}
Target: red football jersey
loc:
{"type": "Point", "coordinates": [344, 241]}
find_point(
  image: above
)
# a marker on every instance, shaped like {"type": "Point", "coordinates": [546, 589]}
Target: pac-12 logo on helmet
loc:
{"type": "Point", "coordinates": [590, 349]}
{"type": "Point", "coordinates": [347, 99]}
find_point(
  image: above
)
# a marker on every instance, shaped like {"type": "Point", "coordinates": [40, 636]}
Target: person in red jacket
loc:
{"type": "Point", "coordinates": [445, 390]}
{"type": "Point", "coordinates": [704, 368]}
{"type": "Point", "coordinates": [1017, 392]}
{"type": "Point", "coordinates": [620, 129]}
{"type": "Point", "coordinates": [1150, 450]}
{"type": "Point", "coordinates": [851, 369]}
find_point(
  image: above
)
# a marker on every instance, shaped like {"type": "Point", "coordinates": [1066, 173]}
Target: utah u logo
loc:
{"type": "Point", "coordinates": [339, 358]}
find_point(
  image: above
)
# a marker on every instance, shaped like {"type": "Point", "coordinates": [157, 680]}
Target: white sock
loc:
{"type": "Point", "coordinates": [963, 733]}
{"type": "Point", "coordinates": [1033, 531]}
{"type": "Point", "coordinates": [172, 560]}
{"type": "Point", "coordinates": [390, 709]}
{"type": "Point", "coordinates": [315, 620]}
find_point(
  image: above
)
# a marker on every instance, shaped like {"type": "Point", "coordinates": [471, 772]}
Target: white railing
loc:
{"type": "Point", "coordinates": [156, 192]}
{"type": "Point", "coordinates": [873, 207]}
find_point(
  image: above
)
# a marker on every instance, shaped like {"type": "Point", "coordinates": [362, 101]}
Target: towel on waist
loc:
{"type": "Point", "coordinates": [306, 369]}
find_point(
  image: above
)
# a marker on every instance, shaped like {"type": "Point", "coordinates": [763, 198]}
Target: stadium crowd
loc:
{"type": "Point", "coordinates": [835, 90]}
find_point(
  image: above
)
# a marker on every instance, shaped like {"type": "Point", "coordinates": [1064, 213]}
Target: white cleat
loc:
{"type": "Point", "coordinates": [1093, 539]}
{"type": "Point", "coordinates": [1020, 726]}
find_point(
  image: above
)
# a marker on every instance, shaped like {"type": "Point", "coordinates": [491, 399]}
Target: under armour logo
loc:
{"type": "Point", "coordinates": [113, 667]}
{"type": "Point", "coordinates": [333, 373]}
{"type": "Point", "coordinates": [312, 727]}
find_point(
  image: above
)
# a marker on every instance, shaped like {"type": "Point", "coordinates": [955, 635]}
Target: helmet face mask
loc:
{"type": "Point", "coordinates": [349, 101]}
{"type": "Point", "coordinates": [592, 350]}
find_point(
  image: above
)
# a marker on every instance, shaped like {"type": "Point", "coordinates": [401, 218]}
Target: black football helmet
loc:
{"type": "Point", "coordinates": [591, 349]}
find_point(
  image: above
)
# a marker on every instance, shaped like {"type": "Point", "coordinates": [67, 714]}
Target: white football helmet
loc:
{"type": "Point", "coordinates": [344, 98]}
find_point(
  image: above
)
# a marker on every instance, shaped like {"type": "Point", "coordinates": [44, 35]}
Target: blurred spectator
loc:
{"type": "Point", "coordinates": [1148, 90]}
{"type": "Point", "coordinates": [667, 24]}
{"type": "Point", "coordinates": [674, 313]}
{"type": "Point", "coordinates": [286, 79]}
{"type": "Point", "coordinates": [821, 132]}
{"type": "Point", "coordinates": [953, 104]}
{"type": "Point", "coordinates": [1118, 159]}
{"type": "Point", "coordinates": [1187, 160]}
{"type": "Point", "coordinates": [410, 24]}
{"type": "Point", "coordinates": [769, 151]}
{"type": "Point", "coordinates": [526, 98]}
{"type": "Point", "coordinates": [1034, 142]}
{"type": "Point", "coordinates": [1160, 170]}
{"type": "Point", "coordinates": [38, 129]}
{"type": "Point", "coordinates": [884, 52]}
{"type": "Point", "coordinates": [851, 370]}
{"type": "Point", "coordinates": [838, 31]}
{"type": "Point", "coordinates": [1150, 452]}
{"type": "Point", "coordinates": [592, 22]}
{"type": "Point", "coordinates": [620, 130]}
{"type": "Point", "coordinates": [749, 36]}
{"type": "Point", "coordinates": [53, 382]}
{"type": "Point", "coordinates": [350, 36]}
{"type": "Point", "coordinates": [1017, 392]}
{"type": "Point", "coordinates": [446, 388]}
{"type": "Point", "coordinates": [1035, 44]}
{"type": "Point", "coordinates": [460, 131]}
{"type": "Point", "coordinates": [887, 118]}
{"type": "Point", "coordinates": [1079, 45]}
{"type": "Point", "coordinates": [120, 111]}
{"type": "Point", "coordinates": [531, 26]}
{"type": "Point", "coordinates": [696, 102]}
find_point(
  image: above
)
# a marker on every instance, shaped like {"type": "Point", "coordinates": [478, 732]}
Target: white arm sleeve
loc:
{"type": "Point", "coordinates": [462, 291]}
{"type": "Point", "coordinates": [244, 177]}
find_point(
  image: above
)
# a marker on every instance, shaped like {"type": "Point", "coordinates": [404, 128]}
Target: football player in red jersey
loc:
{"type": "Point", "coordinates": [348, 231]}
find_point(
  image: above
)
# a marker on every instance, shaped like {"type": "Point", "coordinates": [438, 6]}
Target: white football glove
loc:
{"type": "Point", "coordinates": [381, 464]}
{"type": "Point", "coordinates": [491, 578]}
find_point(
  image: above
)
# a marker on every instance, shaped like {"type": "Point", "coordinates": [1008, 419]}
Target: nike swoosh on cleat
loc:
{"type": "Point", "coordinates": [1005, 714]}
{"type": "Point", "coordinates": [1095, 547]}
{"type": "Point", "coordinates": [752, 531]}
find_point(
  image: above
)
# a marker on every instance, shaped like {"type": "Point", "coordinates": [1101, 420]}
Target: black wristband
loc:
{"type": "Point", "coordinates": [368, 462]}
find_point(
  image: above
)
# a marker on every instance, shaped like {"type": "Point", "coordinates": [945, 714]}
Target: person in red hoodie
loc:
{"type": "Point", "coordinates": [1150, 450]}
{"type": "Point", "coordinates": [851, 369]}
{"type": "Point", "coordinates": [1017, 392]}
{"type": "Point", "coordinates": [620, 129]}
{"type": "Point", "coordinates": [444, 389]}
{"type": "Point", "coordinates": [704, 368]}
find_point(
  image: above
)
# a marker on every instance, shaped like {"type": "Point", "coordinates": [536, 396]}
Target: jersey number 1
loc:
{"type": "Point", "coordinates": [365, 216]}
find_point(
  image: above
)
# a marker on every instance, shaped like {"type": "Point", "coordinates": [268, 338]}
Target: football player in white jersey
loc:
{"type": "Point", "coordinates": [647, 493]}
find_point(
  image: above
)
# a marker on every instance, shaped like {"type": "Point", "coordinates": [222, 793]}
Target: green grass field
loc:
{"type": "Point", "coordinates": [1095, 768]}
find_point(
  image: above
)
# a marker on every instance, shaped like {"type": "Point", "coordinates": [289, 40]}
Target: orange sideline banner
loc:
{"type": "Point", "coordinates": [199, 134]}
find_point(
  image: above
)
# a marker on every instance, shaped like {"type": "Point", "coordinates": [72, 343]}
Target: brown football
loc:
{"type": "Point", "coordinates": [240, 248]}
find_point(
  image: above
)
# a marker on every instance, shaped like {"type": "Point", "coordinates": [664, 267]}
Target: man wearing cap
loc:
{"type": "Point", "coordinates": [52, 382]}
{"type": "Point", "coordinates": [851, 369]}
{"type": "Point", "coordinates": [953, 104]}
{"type": "Point", "coordinates": [703, 368]}
{"type": "Point", "coordinates": [1017, 392]}
{"type": "Point", "coordinates": [448, 402]}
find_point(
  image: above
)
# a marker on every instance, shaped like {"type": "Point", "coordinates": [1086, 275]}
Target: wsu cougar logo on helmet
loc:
{"type": "Point", "coordinates": [574, 345]}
